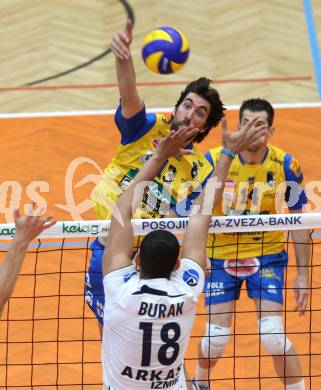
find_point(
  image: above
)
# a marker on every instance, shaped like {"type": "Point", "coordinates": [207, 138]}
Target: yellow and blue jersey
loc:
{"type": "Point", "coordinates": [256, 189]}
{"type": "Point", "coordinates": [177, 184]}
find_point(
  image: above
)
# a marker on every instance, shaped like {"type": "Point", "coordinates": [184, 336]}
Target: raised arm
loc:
{"type": "Point", "coordinates": [27, 228]}
{"type": "Point", "coordinates": [131, 103]}
{"type": "Point", "coordinates": [120, 238]}
{"type": "Point", "coordinates": [195, 238]}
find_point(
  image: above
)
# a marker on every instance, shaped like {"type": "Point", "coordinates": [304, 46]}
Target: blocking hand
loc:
{"type": "Point", "coordinates": [30, 226]}
{"type": "Point", "coordinates": [175, 143]}
{"type": "Point", "coordinates": [239, 140]}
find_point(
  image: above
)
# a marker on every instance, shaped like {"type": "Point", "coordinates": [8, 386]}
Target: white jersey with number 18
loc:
{"type": "Point", "coordinates": [147, 325]}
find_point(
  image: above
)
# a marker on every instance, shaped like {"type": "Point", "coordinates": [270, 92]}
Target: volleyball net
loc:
{"type": "Point", "coordinates": [50, 339]}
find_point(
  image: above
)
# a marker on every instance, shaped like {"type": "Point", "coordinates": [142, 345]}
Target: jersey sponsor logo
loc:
{"type": "Point", "coordinates": [160, 379]}
{"type": "Point", "coordinates": [242, 267]}
{"type": "Point", "coordinates": [214, 289]}
{"type": "Point", "coordinates": [170, 174]}
{"type": "Point", "coordinates": [188, 186]}
{"type": "Point", "coordinates": [146, 157]}
{"type": "Point", "coordinates": [268, 273]}
{"type": "Point", "coordinates": [149, 212]}
{"type": "Point", "coordinates": [229, 195]}
{"type": "Point", "coordinates": [191, 277]}
{"type": "Point", "coordinates": [277, 160]}
{"type": "Point", "coordinates": [164, 384]}
{"type": "Point", "coordinates": [194, 170]}
{"type": "Point", "coordinates": [100, 309]}
{"type": "Point", "coordinates": [157, 198]}
{"type": "Point", "coordinates": [87, 282]}
{"type": "Point", "coordinates": [269, 195]}
{"type": "Point", "coordinates": [89, 298]}
{"type": "Point", "coordinates": [124, 182]}
{"type": "Point", "coordinates": [128, 276]}
{"type": "Point", "coordinates": [200, 163]}
{"type": "Point", "coordinates": [295, 167]}
{"type": "Point", "coordinates": [270, 178]}
{"type": "Point", "coordinates": [272, 289]}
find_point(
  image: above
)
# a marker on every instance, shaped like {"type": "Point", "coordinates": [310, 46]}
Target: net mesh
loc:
{"type": "Point", "coordinates": [50, 339]}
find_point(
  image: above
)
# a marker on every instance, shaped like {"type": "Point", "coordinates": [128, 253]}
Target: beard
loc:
{"type": "Point", "coordinates": [175, 124]}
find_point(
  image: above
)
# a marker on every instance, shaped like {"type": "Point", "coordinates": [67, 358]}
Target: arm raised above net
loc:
{"type": "Point", "coordinates": [194, 244]}
{"type": "Point", "coordinates": [131, 103]}
{"type": "Point", "coordinates": [120, 239]}
{"type": "Point", "coordinates": [27, 228]}
{"type": "Point", "coordinates": [195, 238]}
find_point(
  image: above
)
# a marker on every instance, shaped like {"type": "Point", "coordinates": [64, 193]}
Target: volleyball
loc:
{"type": "Point", "coordinates": [165, 50]}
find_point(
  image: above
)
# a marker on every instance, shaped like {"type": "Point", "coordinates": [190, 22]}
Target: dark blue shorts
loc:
{"type": "Point", "coordinates": [264, 278]}
{"type": "Point", "coordinates": [94, 288]}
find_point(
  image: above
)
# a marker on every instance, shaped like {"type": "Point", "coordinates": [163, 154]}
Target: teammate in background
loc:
{"type": "Point", "coordinates": [199, 106]}
{"type": "Point", "coordinates": [27, 228]}
{"type": "Point", "coordinates": [149, 314]}
{"type": "Point", "coordinates": [258, 258]}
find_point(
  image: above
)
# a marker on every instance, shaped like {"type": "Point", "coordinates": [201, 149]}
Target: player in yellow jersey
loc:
{"type": "Point", "coordinates": [150, 305]}
{"type": "Point", "coordinates": [258, 258]}
{"type": "Point", "coordinates": [199, 107]}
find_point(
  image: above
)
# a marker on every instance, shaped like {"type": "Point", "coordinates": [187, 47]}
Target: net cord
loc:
{"type": "Point", "coordinates": [230, 224]}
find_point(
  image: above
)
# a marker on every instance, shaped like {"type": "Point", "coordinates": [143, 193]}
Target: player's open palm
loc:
{"type": "Point", "coordinates": [121, 42]}
{"type": "Point", "coordinates": [175, 143]}
{"type": "Point", "coordinates": [30, 226]}
{"type": "Point", "coordinates": [239, 140]}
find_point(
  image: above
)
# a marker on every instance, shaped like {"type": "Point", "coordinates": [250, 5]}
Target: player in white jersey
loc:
{"type": "Point", "coordinates": [149, 314]}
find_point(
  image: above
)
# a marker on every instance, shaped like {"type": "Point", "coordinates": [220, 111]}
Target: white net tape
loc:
{"type": "Point", "coordinates": [244, 223]}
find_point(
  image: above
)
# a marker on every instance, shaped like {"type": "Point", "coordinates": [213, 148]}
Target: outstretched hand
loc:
{"type": "Point", "coordinates": [175, 143]}
{"type": "Point", "coordinates": [30, 226]}
{"type": "Point", "coordinates": [239, 140]}
{"type": "Point", "coordinates": [121, 42]}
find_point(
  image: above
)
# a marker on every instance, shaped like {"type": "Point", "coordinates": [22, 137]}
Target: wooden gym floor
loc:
{"type": "Point", "coordinates": [252, 48]}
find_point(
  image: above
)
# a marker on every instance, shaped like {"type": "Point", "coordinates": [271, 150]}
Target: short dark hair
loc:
{"type": "Point", "coordinates": [202, 87]}
{"type": "Point", "coordinates": [158, 254]}
{"type": "Point", "coordinates": [256, 105]}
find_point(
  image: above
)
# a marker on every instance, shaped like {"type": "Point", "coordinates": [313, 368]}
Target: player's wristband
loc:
{"type": "Point", "coordinates": [228, 152]}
